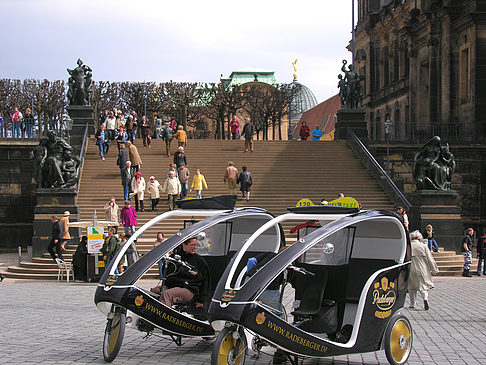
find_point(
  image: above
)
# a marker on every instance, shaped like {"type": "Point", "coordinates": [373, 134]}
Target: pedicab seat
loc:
{"type": "Point", "coordinates": [310, 292]}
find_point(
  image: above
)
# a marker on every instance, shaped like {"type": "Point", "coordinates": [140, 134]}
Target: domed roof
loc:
{"type": "Point", "coordinates": [303, 100]}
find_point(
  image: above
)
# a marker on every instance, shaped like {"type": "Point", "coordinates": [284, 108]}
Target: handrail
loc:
{"type": "Point", "coordinates": [374, 167]}
{"type": "Point", "coordinates": [82, 154]}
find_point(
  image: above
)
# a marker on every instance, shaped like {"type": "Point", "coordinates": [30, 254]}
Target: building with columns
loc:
{"type": "Point", "coordinates": [424, 68]}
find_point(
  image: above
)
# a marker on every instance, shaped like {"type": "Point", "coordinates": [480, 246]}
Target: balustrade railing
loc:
{"type": "Point", "coordinates": [374, 167]}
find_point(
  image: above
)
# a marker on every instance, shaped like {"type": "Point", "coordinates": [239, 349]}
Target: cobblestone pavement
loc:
{"type": "Point", "coordinates": [58, 323]}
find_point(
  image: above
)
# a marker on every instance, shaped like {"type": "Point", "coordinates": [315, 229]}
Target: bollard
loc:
{"type": "Point", "coordinates": [20, 254]}
{"type": "Point", "coordinates": [29, 253]}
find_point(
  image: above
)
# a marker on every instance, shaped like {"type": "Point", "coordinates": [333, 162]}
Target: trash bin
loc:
{"type": "Point", "coordinates": [92, 275]}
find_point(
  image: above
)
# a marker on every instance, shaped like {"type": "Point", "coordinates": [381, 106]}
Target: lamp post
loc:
{"type": "Point", "coordinates": [388, 125]}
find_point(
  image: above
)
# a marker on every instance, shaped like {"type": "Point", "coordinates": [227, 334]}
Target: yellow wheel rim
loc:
{"type": "Point", "coordinates": [400, 340]}
{"type": "Point", "coordinates": [228, 346]}
{"type": "Point", "coordinates": [115, 332]}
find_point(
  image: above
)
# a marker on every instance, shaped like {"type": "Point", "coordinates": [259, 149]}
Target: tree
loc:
{"type": "Point", "coordinates": [180, 101]}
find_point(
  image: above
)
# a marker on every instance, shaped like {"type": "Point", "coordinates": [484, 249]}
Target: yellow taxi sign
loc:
{"type": "Point", "coordinates": [304, 203]}
{"type": "Point", "coordinates": [347, 202]}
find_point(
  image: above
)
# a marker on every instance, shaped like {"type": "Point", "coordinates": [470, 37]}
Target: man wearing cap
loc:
{"type": "Point", "coordinates": [56, 239]}
{"type": "Point", "coordinates": [154, 190]}
{"type": "Point", "coordinates": [138, 188]}
{"type": "Point", "coordinates": [65, 229]}
{"type": "Point", "coordinates": [172, 186]}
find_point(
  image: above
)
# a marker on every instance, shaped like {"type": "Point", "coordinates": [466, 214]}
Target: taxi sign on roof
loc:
{"type": "Point", "coordinates": [347, 202]}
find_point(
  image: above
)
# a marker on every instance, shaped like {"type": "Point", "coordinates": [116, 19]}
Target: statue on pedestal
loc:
{"type": "Point", "coordinates": [433, 166]}
{"type": "Point", "coordinates": [80, 84]}
{"type": "Point", "coordinates": [54, 164]}
{"type": "Point", "coordinates": [349, 86]}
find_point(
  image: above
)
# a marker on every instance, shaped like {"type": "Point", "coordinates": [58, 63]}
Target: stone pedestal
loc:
{"type": "Point", "coordinates": [80, 116]}
{"type": "Point", "coordinates": [53, 202]}
{"type": "Point", "coordinates": [441, 209]}
{"type": "Point", "coordinates": [353, 119]}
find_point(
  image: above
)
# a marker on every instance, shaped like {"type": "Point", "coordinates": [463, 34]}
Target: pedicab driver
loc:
{"type": "Point", "coordinates": [188, 284]}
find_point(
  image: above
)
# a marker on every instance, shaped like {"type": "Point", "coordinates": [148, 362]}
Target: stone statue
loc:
{"type": "Point", "coordinates": [79, 83]}
{"type": "Point", "coordinates": [54, 165]}
{"type": "Point", "coordinates": [433, 166]}
{"type": "Point", "coordinates": [350, 87]}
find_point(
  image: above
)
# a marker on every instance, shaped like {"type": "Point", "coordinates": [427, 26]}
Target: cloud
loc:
{"type": "Point", "coordinates": [181, 41]}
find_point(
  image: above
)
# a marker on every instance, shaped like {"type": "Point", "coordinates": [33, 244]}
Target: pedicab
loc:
{"type": "Point", "coordinates": [127, 301]}
{"type": "Point", "coordinates": [341, 290]}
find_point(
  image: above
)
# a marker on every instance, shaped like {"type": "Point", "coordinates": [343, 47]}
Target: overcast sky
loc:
{"type": "Point", "coordinates": [179, 40]}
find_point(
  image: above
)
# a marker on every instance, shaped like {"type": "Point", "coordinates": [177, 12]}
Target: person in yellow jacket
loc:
{"type": "Point", "coordinates": [198, 182]}
{"type": "Point", "coordinates": [181, 136]}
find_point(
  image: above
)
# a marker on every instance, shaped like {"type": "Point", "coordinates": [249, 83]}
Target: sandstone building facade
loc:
{"type": "Point", "coordinates": [424, 68]}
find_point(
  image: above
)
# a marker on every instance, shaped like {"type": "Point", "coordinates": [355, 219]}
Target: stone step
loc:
{"type": "Point", "coordinates": [283, 171]}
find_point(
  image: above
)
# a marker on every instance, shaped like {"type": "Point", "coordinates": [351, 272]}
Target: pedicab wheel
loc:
{"type": "Point", "coordinates": [114, 332]}
{"type": "Point", "coordinates": [398, 340]}
{"type": "Point", "coordinates": [229, 348]}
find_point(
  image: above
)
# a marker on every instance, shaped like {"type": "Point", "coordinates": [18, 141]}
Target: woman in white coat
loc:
{"type": "Point", "coordinates": [422, 268]}
{"type": "Point", "coordinates": [138, 188]}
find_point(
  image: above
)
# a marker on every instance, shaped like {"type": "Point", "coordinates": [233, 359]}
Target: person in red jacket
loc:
{"type": "Point", "coordinates": [304, 131]}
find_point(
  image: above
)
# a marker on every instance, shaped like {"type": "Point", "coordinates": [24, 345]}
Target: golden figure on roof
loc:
{"type": "Point", "coordinates": [295, 68]}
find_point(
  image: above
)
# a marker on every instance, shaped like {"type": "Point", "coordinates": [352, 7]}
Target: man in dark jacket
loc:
{"type": "Point", "coordinates": [56, 239]}
{"type": "Point", "coordinates": [126, 178]}
{"type": "Point", "coordinates": [248, 131]}
{"type": "Point", "coordinates": [189, 283]}
{"type": "Point", "coordinates": [167, 137]}
{"type": "Point", "coordinates": [122, 157]}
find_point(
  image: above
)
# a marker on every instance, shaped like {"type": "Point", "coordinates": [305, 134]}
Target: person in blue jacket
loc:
{"type": "Point", "coordinates": [316, 134]}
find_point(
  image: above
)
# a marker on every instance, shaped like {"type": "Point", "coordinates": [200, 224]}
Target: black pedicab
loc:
{"type": "Point", "coordinates": [347, 280]}
{"type": "Point", "coordinates": [127, 300]}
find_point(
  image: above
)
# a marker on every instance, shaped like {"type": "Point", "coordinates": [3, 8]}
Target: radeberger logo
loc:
{"type": "Point", "coordinates": [384, 297]}
{"type": "Point", "coordinates": [138, 301]}
{"type": "Point", "coordinates": [260, 318]}
{"type": "Point", "coordinates": [228, 295]}
{"type": "Point", "coordinates": [111, 280]}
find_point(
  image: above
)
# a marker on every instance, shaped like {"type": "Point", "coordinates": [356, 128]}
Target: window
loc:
{"type": "Point", "coordinates": [333, 250]}
{"type": "Point", "coordinates": [464, 73]}
{"type": "Point", "coordinates": [396, 61]}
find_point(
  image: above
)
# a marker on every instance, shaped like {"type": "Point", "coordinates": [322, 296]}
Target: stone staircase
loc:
{"type": "Point", "coordinates": [450, 263]}
{"type": "Point", "coordinates": [284, 172]}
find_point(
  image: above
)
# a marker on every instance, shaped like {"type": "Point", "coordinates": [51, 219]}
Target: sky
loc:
{"type": "Point", "coordinates": [178, 40]}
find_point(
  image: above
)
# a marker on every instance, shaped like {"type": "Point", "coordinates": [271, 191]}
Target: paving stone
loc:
{"type": "Point", "coordinates": [58, 323]}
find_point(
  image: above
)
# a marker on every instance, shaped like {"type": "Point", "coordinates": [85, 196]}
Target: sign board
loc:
{"type": "Point", "coordinates": [304, 203]}
{"type": "Point", "coordinates": [95, 239]}
{"type": "Point", "coordinates": [347, 202]}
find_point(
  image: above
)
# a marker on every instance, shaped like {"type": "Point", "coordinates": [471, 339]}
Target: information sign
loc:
{"type": "Point", "coordinates": [95, 239]}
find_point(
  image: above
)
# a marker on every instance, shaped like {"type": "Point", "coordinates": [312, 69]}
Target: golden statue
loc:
{"type": "Point", "coordinates": [295, 68]}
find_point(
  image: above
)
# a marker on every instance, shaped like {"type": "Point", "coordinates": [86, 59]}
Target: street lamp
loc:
{"type": "Point", "coordinates": [388, 125]}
